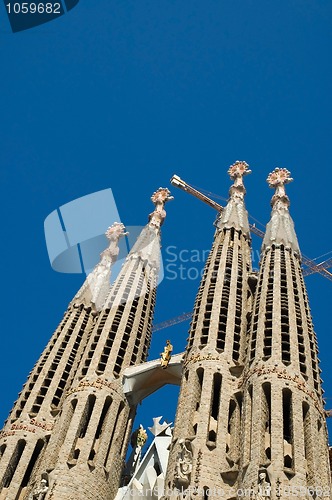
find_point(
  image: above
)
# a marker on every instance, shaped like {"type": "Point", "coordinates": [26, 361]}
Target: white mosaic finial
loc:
{"type": "Point", "coordinates": [280, 230]}
{"type": "Point", "coordinates": [234, 214]}
{"type": "Point", "coordinates": [277, 180]}
{"type": "Point", "coordinates": [159, 198]}
{"type": "Point", "coordinates": [237, 171]}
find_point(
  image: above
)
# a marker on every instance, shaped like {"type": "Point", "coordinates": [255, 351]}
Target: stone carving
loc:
{"type": "Point", "coordinates": [198, 468]}
{"type": "Point", "coordinates": [39, 492]}
{"type": "Point", "coordinates": [263, 491]}
{"type": "Point", "coordinates": [159, 198]}
{"type": "Point", "coordinates": [277, 180]}
{"type": "Point", "coordinates": [279, 177]}
{"type": "Point", "coordinates": [238, 170]}
{"type": "Point", "coordinates": [184, 464]}
{"type": "Point", "coordinates": [166, 355]}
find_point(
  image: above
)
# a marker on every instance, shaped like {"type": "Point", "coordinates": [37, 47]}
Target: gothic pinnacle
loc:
{"type": "Point", "coordinates": [159, 198]}
{"type": "Point", "coordinates": [113, 234]}
{"type": "Point", "coordinates": [277, 180]}
{"type": "Point", "coordinates": [280, 230]}
{"type": "Point", "coordinates": [236, 172]}
{"type": "Point", "coordinates": [234, 215]}
{"type": "Point", "coordinates": [96, 287]}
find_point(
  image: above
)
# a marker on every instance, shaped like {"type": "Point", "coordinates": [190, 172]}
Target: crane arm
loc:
{"type": "Point", "coordinates": [178, 182]}
{"type": "Point", "coordinates": [171, 322]}
{"type": "Point", "coordinates": [312, 267]}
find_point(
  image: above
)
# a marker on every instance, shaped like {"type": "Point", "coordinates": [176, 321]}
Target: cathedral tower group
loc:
{"type": "Point", "coordinates": [250, 419]}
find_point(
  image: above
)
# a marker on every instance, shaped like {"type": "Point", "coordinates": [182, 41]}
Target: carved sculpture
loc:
{"type": "Point", "coordinates": [263, 487]}
{"type": "Point", "coordinates": [39, 492]}
{"type": "Point", "coordinates": [166, 355]}
{"type": "Point", "coordinates": [159, 198]}
{"type": "Point", "coordinates": [184, 464]}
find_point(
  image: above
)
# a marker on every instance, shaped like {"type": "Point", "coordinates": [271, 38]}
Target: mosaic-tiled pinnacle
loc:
{"type": "Point", "coordinates": [280, 230]}
{"type": "Point", "coordinates": [235, 215]}
{"type": "Point", "coordinates": [97, 284]}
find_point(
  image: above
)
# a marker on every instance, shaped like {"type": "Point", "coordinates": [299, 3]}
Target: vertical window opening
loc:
{"type": "Point", "coordinates": [267, 421]}
{"type": "Point", "coordinates": [287, 428]}
{"type": "Point", "coordinates": [284, 311]}
{"type": "Point", "coordinates": [256, 312]}
{"type": "Point", "coordinates": [221, 339]}
{"type": "Point", "coordinates": [238, 310]}
{"type": "Point", "coordinates": [215, 403]}
{"type": "Point", "coordinates": [14, 461]}
{"type": "Point", "coordinates": [115, 426]}
{"type": "Point", "coordinates": [35, 455]}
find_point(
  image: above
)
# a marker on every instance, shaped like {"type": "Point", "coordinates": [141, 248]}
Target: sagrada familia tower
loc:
{"type": "Point", "coordinates": [250, 419]}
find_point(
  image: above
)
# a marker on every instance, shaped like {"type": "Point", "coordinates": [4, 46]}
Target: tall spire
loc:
{"type": "Point", "coordinates": [147, 246]}
{"type": "Point", "coordinates": [95, 406]}
{"type": "Point", "coordinates": [280, 230]}
{"type": "Point", "coordinates": [205, 450]}
{"type": "Point", "coordinates": [235, 215]}
{"type": "Point", "coordinates": [283, 425]}
{"type": "Point", "coordinates": [97, 285]}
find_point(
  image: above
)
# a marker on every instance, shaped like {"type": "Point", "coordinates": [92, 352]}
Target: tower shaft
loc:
{"type": "Point", "coordinates": [91, 436]}
{"type": "Point", "coordinates": [205, 450]}
{"type": "Point", "coordinates": [284, 436]}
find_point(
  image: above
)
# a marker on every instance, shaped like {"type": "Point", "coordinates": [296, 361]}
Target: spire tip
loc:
{"type": "Point", "coordinates": [238, 169]}
{"type": "Point", "coordinates": [279, 177]}
{"type": "Point", "coordinates": [115, 231]}
{"type": "Point", "coordinates": [159, 198]}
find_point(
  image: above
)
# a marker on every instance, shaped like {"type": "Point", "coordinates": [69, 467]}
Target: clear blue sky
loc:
{"type": "Point", "coordinates": [123, 94]}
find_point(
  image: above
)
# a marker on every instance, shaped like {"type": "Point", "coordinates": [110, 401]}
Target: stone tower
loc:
{"type": "Point", "coordinates": [284, 437]}
{"type": "Point", "coordinates": [85, 456]}
{"type": "Point", "coordinates": [205, 451]}
{"type": "Point", "coordinates": [31, 421]}
{"type": "Point", "coordinates": [250, 420]}
{"type": "Point", "coordinates": [62, 427]}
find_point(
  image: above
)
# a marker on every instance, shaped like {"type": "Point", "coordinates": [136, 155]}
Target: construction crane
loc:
{"type": "Point", "coordinates": [171, 322]}
{"type": "Point", "coordinates": [311, 266]}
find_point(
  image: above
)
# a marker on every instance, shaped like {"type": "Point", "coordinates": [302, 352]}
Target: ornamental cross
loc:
{"type": "Point", "coordinates": [113, 234]}
{"type": "Point", "coordinates": [159, 198]}
{"type": "Point", "coordinates": [237, 171]}
{"type": "Point", "coordinates": [277, 180]}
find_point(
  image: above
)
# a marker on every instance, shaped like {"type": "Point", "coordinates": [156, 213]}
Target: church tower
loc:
{"type": "Point", "coordinates": [86, 453]}
{"type": "Point", "coordinates": [31, 421]}
{"type": "Point", "coordinates": [284, 436]}
{"type": "Point", "coordinates": [205, 450]}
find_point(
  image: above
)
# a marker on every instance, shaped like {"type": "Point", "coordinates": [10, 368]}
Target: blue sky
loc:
{"type": "Point", "coordinates": [122, 94]}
